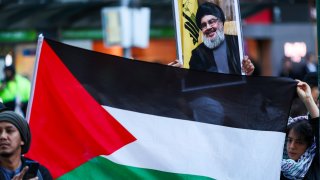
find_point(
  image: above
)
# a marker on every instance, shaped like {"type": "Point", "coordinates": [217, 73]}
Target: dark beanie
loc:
{"type": "Point", "coordinates": [21, 124]}
{"type": "Point", "coordinates": [208, 8]}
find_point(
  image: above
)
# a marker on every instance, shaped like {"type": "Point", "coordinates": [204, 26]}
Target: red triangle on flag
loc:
{"type": "Point", "coordinates": [68, 126]}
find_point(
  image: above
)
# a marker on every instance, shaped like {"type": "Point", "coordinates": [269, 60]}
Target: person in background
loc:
{"type": "Point", "coordinates": [301, 155]}
{"type": "Point", "coordinates": [218, 52]}
{"type": "Point", "coordinates": [293, 69]}
{"type": "Point", "coordinates": [15, 90]}
{"type": "Point", "coordinates": [298, 108]}
{"type": "Point", "coordinates": [287, 67]}
{"type": "Point", "coordinates": [311, 62]}
{"type": "Point", "coordinates": [312, 79]}
{"type": "Point", "coordinates": [15, 139]}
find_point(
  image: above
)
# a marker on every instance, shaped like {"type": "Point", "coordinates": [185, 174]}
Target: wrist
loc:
{"type": "Point", "coordinates": [308, 99]}
{"type": "Point", "coordinates": [312, 108]}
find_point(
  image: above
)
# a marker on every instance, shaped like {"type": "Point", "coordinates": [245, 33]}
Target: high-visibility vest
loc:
{"type": "Point", "coordinates": [18, 87]}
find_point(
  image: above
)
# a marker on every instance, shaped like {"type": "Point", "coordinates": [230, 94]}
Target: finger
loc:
{"type": "Point", "coordinates": [21, 174]}
{"type": "Point", "coordinates": [302, 88]}
{"type": "Point", "coordinates": [298, 81]}
{"type": "Point", "coordinates": [178, 65]}
{"type": "Point", "coordinates": [248, 66]}
{"type": "Point", "coordinates": [244, 61]}
{"type": "Point", "coordinates": [250, 70]}
{"type": "Point", "coordinates": [251, 67]}
{"type": "Point", "coordinates": [300, 84]}
{"type": "Point", "coordinates": [24, 170]}
{"type": "Point", "coordinates": [175, 63]}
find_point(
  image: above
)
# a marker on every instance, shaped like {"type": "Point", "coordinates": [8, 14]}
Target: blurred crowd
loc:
{"type": "Point", "coordinates": [305, 70]}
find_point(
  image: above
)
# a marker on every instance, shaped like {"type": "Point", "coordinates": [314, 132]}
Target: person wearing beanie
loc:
{"type": "Point", "coordinates": [218, 52]}
{"type": "Point", "coordinates": [15, 139]}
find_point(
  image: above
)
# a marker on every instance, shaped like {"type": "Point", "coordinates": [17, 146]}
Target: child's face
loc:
{"type": "Point", "coordinates": [296, 145]}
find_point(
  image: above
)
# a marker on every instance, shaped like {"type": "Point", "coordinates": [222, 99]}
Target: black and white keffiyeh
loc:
{"type": "Point", "coordinates": [297, 169]}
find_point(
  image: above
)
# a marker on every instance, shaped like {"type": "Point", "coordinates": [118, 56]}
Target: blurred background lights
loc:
{"type": "Point", "coordinates": [8, 60]}
{"type": "Point", "coordinates": [295, 50]}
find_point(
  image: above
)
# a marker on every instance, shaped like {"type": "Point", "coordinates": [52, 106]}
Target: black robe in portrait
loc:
{"type": "Point", "coordinates": [202, 58]}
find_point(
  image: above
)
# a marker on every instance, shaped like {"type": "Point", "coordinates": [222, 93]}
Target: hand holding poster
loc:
{"type": "Point", "coordinates": [209, 35]}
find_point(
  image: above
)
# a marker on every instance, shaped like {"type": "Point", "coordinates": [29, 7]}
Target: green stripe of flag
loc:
{"type": "Point", "coordinates": [104, 169]}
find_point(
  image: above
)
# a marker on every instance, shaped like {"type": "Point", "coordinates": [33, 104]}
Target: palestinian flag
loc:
{"type": "Point", "coordinates": [97, 116]}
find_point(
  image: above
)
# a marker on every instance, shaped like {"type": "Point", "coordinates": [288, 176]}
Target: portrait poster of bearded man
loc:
{"type": "Point", "coordinates": [209, 36]}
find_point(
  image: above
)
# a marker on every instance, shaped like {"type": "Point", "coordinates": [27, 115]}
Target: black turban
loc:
{"type": "Point", "coordinates": [21, 124]}
{"type": "Point", "coordinates": [208, 8]}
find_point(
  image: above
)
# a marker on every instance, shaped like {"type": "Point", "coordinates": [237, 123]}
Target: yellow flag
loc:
{"type": "Point", "coordinates": [190, 36]}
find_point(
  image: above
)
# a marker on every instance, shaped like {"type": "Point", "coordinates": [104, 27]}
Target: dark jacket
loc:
{"type": "Point", "coordinates": [314, 169]}
{"type": "Point", "coordinates": [202, 57]}
{"type": "Point", "coordinates": [43, 170]}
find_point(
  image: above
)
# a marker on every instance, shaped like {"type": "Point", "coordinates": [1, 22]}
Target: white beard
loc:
{"type": "Point", "coordinates": [215, 42]}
